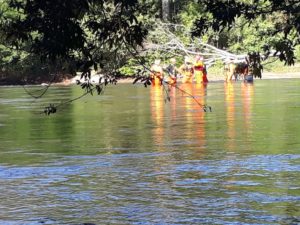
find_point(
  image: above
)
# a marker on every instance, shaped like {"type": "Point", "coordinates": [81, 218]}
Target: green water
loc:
{"type": "Point", "coordinates": [127, 157]}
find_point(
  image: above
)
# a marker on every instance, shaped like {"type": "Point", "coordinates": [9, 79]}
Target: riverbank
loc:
{"type": "Point", "coordinates": [272, 75]}
{"type": "Point", "coordinates": [265, 75]}
{"type": "Point", "coordinates": [211, 77]}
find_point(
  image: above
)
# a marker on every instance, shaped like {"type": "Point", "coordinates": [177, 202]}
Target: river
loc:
{"type": "Point", "coordinates": [129, 157]}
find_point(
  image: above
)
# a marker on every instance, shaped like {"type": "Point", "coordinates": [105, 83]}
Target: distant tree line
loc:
{"type": "Point", "coordinates": [42, 37]}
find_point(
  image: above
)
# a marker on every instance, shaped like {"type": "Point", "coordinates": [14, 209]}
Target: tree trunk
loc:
{"type": "Point", "coordinates": [166, 10]}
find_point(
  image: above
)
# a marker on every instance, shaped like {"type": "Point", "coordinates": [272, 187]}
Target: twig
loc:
{"type": "Point", "coordinates": [44, 90]}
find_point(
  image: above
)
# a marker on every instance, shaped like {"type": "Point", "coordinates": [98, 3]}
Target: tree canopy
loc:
{"type": "Point", "coordinates": [84, 33]}
{"type": "Point", "coordinates": [81, 34]}
{"type": "Point", "coordinates": [285, 16]}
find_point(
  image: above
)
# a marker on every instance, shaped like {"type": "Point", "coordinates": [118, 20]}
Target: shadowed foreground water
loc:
{"type": "Point", "coordinates": [127, 157]}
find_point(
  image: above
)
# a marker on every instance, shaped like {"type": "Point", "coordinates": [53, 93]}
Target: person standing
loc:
{"type": "Point", "coordinates": [230, 70]}
{"type": "Point", "coordinates": [200, 70]}
{"type": "Point", "coordinates": [156, 74]}
{"type": "Point", "coordinates": [187, 71]}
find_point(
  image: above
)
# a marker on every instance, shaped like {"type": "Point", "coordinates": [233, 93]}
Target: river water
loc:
{"type": "Point", "coordinates": [129, 157]}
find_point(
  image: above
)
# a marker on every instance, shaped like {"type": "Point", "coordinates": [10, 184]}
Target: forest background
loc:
{"type": "Point", "coordinates": [26, 58]}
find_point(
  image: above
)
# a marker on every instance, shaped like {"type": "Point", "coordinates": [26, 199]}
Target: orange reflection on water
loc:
{"type": "Point", "coordinates": [247, 90]}
{"type": "Point", "coordinates": [230, 113]}
{"type": "Point", "coordinates": [247, 97]}
{"type": "Point", "coordinates": [157, 112]}
{"type": "Point", "coordinates": [173, 102]}
{"type": "Point", "coordinates": [183, 111]}
{"type": "Point", "coordinates": [194, 115]}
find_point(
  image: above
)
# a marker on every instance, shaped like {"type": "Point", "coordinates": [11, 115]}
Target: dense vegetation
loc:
{"type": "Point", "coordinates": [39, 38]}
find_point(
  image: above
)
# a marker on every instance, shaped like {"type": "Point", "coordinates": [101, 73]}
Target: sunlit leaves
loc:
{"type": "Point", "coordinates": [285, 20]}
{"type": "Point", "coordinates": [69, 29]}
{"type": "Point", "coordinates": [223, 15]}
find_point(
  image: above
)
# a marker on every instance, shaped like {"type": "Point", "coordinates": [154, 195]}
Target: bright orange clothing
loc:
{"type": "Point", "coordinates": [187, 72]}
{"type": "Point", "coordinates": [156, 74]}
{"type": "Point", "coordinates": [200, 72]}
{"type": "Point", "coordinates": [156, 78]}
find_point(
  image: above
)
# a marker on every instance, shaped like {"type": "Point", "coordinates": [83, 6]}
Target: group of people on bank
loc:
{"type": "Point", "coordinates": [190, 70]}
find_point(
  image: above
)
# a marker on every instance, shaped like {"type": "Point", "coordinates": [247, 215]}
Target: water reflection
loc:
{"type": "Point", "coordinates": [183, 112]}
{"type": "Point", "coordinates": [173, 101]}
{"type": "Point", "coordinates": [194, 117]}
{"type": "Point", "coordinates": [132, 158]}
{"type": "Point", "coordinates": [230, 113]}
{"type": "Point", "coordinates": [200, 93]}
{"type": "Point", "coordinates": [247, 98]}
{"type": "Point", "coordinates": [238, 103]}
{"type": "Point", "coordinates": [157, 113]}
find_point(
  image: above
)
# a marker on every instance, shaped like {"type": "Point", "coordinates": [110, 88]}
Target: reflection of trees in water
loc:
{"type": "Point", "coordinates": [30, 130]}
{"type": "Point", "coordinates": [56, 129]}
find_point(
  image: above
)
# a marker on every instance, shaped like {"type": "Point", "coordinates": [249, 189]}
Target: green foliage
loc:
{"type": "Point", "coordinates": [284, 15]}
{"type": "Point", "coordinates": [251, 38]}
{"type": "Point", "coordinates": [217, 69]}
{"type": "Point", "coordinates": [190, 13]}
{"type": "Point", "coordinates": [81, 35]}
{"type": "Point", "coordinates": [297, 52]}
{"type": "Point", "coordinates": [90, 32]}
{"type": "Point", "coordinates": [130, 67]}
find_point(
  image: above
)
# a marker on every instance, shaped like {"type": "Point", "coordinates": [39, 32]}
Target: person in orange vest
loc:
{"type": "Point", "coordinates": [200, 70]}
{"type": "Point", "coordinates": [156, 75]}
{"type": "Point", "coordinates": [187, 71]}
